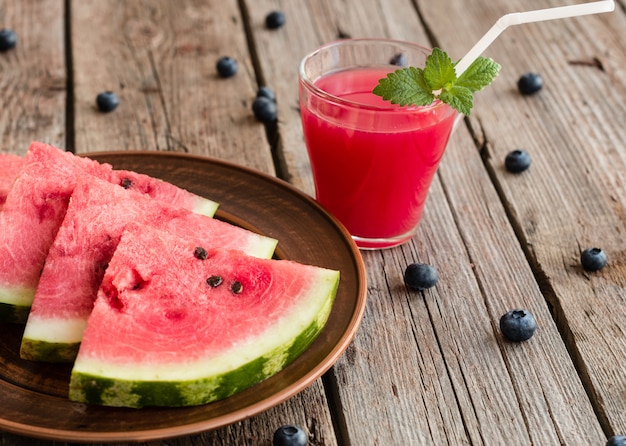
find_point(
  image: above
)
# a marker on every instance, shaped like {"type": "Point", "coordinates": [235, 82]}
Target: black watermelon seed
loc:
{"type": "Point", "coordinates": [237, 287]}
{"type": "Point", "coordinates": [214, 281]}
{"type": "Point", "coordinates": [200, 253]}
{"type": "Point", "coordinates": [127, 183]}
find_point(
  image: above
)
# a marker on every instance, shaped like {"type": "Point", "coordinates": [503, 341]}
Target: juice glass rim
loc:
{"type": "Point", "coordinates": [310, 85]}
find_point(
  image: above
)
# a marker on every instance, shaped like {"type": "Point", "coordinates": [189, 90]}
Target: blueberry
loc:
{"type": "Point", "coordinates": [226, 66]}
{"type": "Point", "coordinates": [530, 83]}
{"type": "Point", "coordinates": [265, 110]}
{"type": "Point", "coordinates": [399, 60]}
{"type": "Point", "coordinates": [107, 101]}
{"type": "Point", "coordinates": [275, 19]}
{"type": "Point", "coordinates": [290, 435]}
{"type": "Point", "coordinates": [593, 259]}
{"type": "Point", "coordinates": [420, 276]}
{"type": "Point", "coordinates": [616, 440]}
{"type": "Point", "coordinates": [518, 325]}
{"type": "Point", "coordinates": [266, 92]}
{"type": "Point", "coordinates": [517, 161]}
{"type": "Point", "coordinates": [8, 39]}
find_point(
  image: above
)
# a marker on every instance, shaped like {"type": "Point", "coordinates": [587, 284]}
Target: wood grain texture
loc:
{"type": "Point", "coordinates": [160, 58]}
{"type": "Point", "coordinates": [572, 197]}
{"type": "Point", "coordinates": [542, 373]}
{"type": "Point", "coordinates": [33, 75]}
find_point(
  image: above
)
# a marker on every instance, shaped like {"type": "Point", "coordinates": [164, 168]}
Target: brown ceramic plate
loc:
{"type": "Point", "coordinates": [33, 396]}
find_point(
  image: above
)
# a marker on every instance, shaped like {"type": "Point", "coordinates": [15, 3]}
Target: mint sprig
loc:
{"type": "Point", "coordinates": [438, 80]}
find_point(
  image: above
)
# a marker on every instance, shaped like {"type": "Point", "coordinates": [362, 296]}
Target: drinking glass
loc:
{"type": "Point", "coordinates": [372, 161]}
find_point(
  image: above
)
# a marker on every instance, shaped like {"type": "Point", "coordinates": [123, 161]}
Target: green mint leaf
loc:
{"type": "Point", "coordinates": [405, 87]}
{"type": "Point", "coordinates": [460, 98]}
{"type": "Point", "coordinates": [479, 74]}
{"type": "Point", "coordinates": [438, 80]}
{"type": "Point", "coordinates": [439, 70]}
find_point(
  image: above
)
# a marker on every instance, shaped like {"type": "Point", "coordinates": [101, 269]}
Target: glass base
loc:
{"type": "Point", "coordinates": [365, 244]}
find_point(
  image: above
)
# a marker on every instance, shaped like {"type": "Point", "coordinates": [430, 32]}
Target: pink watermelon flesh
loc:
{"type": "Point", "coordinates": [10, 166]}
{"type": "Point", "coordinates": [165, 192]}
{"type": "Point", "coordinates": [96, 216]}
{"type": "Point", "coordinates": [31, 215]}
{"type": "Point", "coordinates": [171, 329]}
{"type": "Point", "coordinates": [34, 209]}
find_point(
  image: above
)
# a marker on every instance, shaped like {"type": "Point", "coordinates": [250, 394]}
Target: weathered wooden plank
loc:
{"type": "Point", "coordinates": [573, 195]}
{"type": "Point", "coordinates": [33, 75]}
{"type": "Point", "coordinates": [278, 52]}
{"type": "Point", "coordinates": [454, 381]}
{"type": "Point", "coordinates": [551, 382]}
{"type": "Point", "coordinates": [160, 58]}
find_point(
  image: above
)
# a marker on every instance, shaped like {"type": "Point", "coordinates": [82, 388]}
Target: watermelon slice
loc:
{"type": "Point", "coordinates": [164, 191]}
{"type": "Point", "coordinates": [96, 216]}
{"type": "Point", "coordinates": [171, 329]}
{"type": "Point", "coordinates": [35, 207]}
{"type": "Point", "coordinates": [10, 166]}
{"type": "Point", "coordinates": [29, 219]}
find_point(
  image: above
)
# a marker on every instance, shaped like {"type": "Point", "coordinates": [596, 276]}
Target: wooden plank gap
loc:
{"type": "Point", "coordinates": [252, 46]}
{"type": "Point", "coordinates": [430, 34]}
{"type": "Point", "coordinates": [272, 132]}
{"type": "Point", "coordinates": [337, 414]}
{"type": "Point", "coordinates": [478, 135]}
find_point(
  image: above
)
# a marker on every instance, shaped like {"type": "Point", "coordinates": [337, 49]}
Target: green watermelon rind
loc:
{"type": "Point", "coordinates": [62, 352]}
{"type": "Point", "coordinates": [15, 303]}
{"type": "Point", "coordinates": [90, 388]}
{"type": "Point", "coordinates": [52, 340]}
{"type": "Point", "coordinates": [17, 314]}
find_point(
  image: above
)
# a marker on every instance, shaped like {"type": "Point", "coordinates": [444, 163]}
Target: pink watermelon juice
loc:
{"type": "Point", "coordinates": [372, 161]}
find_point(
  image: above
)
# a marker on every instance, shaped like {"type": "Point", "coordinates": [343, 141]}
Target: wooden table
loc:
{"type": "Point", "coordinates": [425, 367]}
